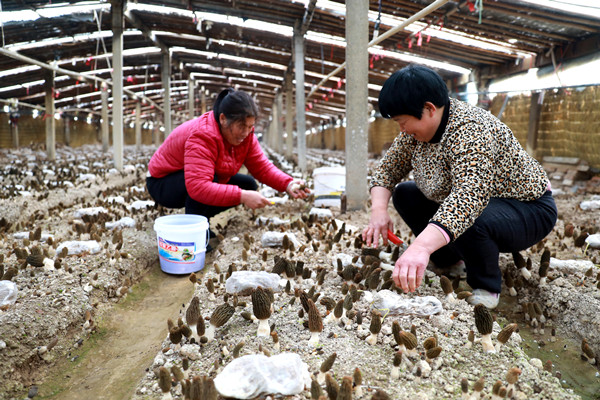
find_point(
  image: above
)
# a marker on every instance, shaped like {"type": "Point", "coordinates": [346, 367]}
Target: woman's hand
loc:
{"type": "Point", "coordinates": [297, 189]}
{"type": "Point", "coordinates": [410, 268]}
{"type": "Point", "coordinates": [252, 199]}
{"type": "Point", "coordinates": [380, 220]}
{"type": "Point", "coordinates": [379, 223]}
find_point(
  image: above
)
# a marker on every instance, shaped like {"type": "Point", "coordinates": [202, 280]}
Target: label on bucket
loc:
{"type": "Point", "coordinates": [179, 252]}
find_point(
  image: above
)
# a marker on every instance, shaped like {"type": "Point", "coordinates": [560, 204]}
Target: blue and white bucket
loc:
{"type": "Point", "coordinates": [182, 240]}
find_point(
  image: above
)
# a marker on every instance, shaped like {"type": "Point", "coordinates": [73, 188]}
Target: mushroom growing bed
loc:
{"type": "Point", "coordinates": [59, 304]}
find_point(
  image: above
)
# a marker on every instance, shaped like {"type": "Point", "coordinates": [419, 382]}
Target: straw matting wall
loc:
{"type": "Point", "coordinates": [569, 124]}
{"type": "Point", "coordinates": [33, 131]}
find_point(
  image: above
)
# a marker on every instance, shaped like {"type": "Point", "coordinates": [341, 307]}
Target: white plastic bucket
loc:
{"type": "Point", "coordinates": [182, 240]}
{"type": "Point", "coordinates": [330, 183]}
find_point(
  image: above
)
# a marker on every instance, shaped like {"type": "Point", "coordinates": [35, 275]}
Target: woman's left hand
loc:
{"type": "Point", "coordinates": [297, 189]}
{"type": "Point", "coordinates": [410, 268]}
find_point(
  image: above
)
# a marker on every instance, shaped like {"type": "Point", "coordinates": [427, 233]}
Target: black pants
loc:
{"type": "Point", "coordinates": [504, 226]}
{"type": "Point", "coordinates": [170, 191]}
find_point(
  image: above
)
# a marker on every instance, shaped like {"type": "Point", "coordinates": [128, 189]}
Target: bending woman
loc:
{"type": "Point", "coordinates": [197, 165]}
{"type": "Point", "coordinates": [476, 192]}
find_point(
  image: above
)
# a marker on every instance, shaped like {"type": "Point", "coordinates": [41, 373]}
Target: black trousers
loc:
{"type": "Point", "coordinates": [504, 226]}
{"type": "Point", "coordinates": [170, 191]}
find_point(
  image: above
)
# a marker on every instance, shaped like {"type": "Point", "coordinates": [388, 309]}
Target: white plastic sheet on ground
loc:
{"type": "Point", "coordinates": [400, 305]}
{"type": "Point", "coordinates": [240, 281]}
{"type": "Point", "coordinates": [275, 239]}
{"type": "Point", "coordinates": [90, 211]}
{"type": "Point", "coordinates": [592, 204]}
{"type": "Point", "coordinates": [250, 376]}
{"type": "Point", "coordinates": [593, 240]}
{"type": "Point", "coordinates": [570, 266]}
{"type": "Point", "coordinates": [81, 246]}
{"type": "Point", "coordinates": [8, 293]}
{"type": "Point", "coordinates": [125, 222]}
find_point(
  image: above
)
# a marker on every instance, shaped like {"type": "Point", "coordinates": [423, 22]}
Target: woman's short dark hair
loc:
{"type": "Point", "coordinates": [407, 90]}
{"type": "Point", "coordinates": [235, 104]}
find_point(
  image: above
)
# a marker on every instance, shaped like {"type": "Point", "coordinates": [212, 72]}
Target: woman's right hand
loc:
{"type": "Point", "coordinates": [379, 224]}
{"type": "Point", "coordinates": [252, 199]}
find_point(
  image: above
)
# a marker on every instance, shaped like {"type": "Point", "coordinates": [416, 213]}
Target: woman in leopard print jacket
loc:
{"type": "Point", "coordinates": [476, 192]}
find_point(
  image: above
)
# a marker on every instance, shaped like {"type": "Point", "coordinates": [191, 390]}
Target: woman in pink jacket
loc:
{"type": "Point", "coordinates": [197, 165]}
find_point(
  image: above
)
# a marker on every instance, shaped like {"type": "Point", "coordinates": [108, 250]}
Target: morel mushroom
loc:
{"type": "Point", "coordinates": [505, 334]}
{"type": "Point", "coordinates": [331, 386]}
{"type": "Point", "coordinates": [588, 352]}
{"type": "Point", "coordinates": [218, 318]}
{"type": "Point", "coordinates": [164, 382]}
{"type": "Point", "coordinates": [192, 314]}
{"type": "Point", "coordinates": [484, 324]}
{"type": "Point", "coordinates": [512, 376]}
{"type": "Point", "coordinates": [325, 366]}
{"type": "Point", "coordinates": [261, 307]}
{"type": "Point", "coordinates": [464, 389]}
{"type": "Point", "coordinates": [315, 323]}
{"type": "Point", "coordinates": [446, 285]}
{"type": "Point", "coordinates": [345, 392]}
{"type": "Point", "coordinates": [478, 388]}
{"type": "Point", "coordinates": [521, 264]}
{"type": "Point", "coordinates": [432, 353]}
{"type": "Point", "coordinates": [510, 284]}
{"type": "Point", "coordinates": [374, 328]}
{"type": "Point", "coordinates": [357, 377]}
{"type": "Point", "coordinates": [544, 266]}
{"type": "Point", "coordinates": [409, 340]}
{"type": "Point", "coordinates": [396, 363]}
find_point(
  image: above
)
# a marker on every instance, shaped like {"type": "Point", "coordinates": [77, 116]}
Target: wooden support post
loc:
{"type": "Point", "coordinates": [50, 121]}
{"type": "Point", "coordinates": [537, 98]}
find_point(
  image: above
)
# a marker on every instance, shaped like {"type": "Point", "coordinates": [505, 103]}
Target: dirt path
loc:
{"type": "Point", "coordinates": [111, 363]}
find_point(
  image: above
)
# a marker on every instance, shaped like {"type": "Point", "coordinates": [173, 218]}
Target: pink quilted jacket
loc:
{"type": "Point", "coordinates": [198, 148]}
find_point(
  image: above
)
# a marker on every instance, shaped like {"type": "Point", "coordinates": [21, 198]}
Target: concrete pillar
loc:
{"type": "Point", "coordinates": [191, 103]}
{"type": "Point", "coordinates": [289, 115]}
{"type": "Point", "coordinates": [105, 121]}
{"type": "Point", "coordinates": [203, 101]}
{"type": "Point", "coordinates": [357, 118]}
{"type": "Point", "coordinates": [14, 131]}
{"type": "Point", "coordinates": [117, 108]}
{"type": "Point", "coordinates": [138, 124]}
{"type": "Point", "coordinates": [274, 133]}
{"type": "Point", "coordinates": [67, 131]}
{"type": "Point", "coordinates": [155, 135]}
{"type": "Point", "coordinates": [279, 121]}
{"type": "Point", "coordinates": [50, 121]}
{"type": "Point", "coordinates": [300, 98]}
{"type": "Point", "coordinates": [166, 82]}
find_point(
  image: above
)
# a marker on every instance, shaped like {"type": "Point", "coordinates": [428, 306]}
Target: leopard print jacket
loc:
{"type": "Point", "coordinates": [477, 158]}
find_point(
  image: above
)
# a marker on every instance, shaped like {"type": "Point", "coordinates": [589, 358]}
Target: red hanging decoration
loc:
{"type": "Point", "coordinates": [471, 6]}
{"type": "Point", "coordinates": [419, 39]}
